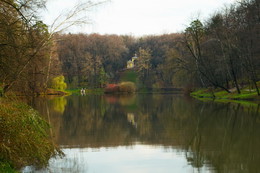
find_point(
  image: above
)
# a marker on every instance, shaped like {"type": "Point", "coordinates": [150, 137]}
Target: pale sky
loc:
{"type": "Point", "coordinates": [138, 17]}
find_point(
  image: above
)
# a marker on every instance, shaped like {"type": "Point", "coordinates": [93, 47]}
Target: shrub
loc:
{"type": "Point", "coordinates": [124, 87]}
{"type": "Point", "coordinates": [127, 87]}
{"type": "Point", "coordinates": [24, 138]}
{"type": "Point", "coordinates": [58, 83]}
{"type": "Point", "coordinates": [5, 167]}
{"type": "Point", "coordinates": [112, 88]}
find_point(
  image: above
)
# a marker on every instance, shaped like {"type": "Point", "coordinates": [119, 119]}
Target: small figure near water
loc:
{"type": "Point", "coordinates": [83, 91]}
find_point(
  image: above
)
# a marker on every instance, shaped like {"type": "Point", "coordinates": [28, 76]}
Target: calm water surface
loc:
{"type": "Point", "coordinates": [151, 134]}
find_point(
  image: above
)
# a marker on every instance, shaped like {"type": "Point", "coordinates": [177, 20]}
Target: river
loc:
{"type": "Point", "coordinates": [150, 134]}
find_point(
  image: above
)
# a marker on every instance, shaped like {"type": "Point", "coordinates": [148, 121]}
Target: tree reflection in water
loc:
{"type": "Point", "coordinates": [224, 137]}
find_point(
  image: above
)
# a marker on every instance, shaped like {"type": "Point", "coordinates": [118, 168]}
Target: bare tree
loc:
{"type": "Point", "coordinates": [194, 38]}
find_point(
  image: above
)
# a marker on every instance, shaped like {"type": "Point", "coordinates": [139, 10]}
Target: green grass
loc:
{"type": "Point", "coordinates": [5, 167]}
{"type": "Point", "coordinates": [202, 93]}
{"type": "Point", "coordinates": [245, 95]}
{"type": "Point", "coordinates": [129, 76]}
{"type": "Point", "coordinates": [95, 91]}
{"type": "Point", "coordinates": [73, 91]}
{"type": "Point", "coordinates": [245, 98]}
{"type": "Point", "coordinates": [88, 91]}
{"type": "Point", "coordinates": [65, 91]}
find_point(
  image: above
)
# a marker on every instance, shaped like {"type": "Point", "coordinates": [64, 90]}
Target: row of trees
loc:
{"type": "Point", "coordinates": [92, 60]}
{"type": "Point", "coordinates": [224, 51]}
{"type": "Point", "coordinates": [31, 52]}
{"type": "Point", "coordinates": [88, 60]}
{"type": "Point", "coordinates": [28, 49]}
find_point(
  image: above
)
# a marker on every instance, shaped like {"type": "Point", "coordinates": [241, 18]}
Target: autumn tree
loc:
{"type": "Point", "coordinates": [83, 56]}
{"type": "Point", "coordinates": [143, 66]}
{"type": "Point", "coordinates": [22, 39]}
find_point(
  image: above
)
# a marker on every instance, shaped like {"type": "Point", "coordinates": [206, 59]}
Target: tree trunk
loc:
{"type": "Point", "coordinates": [235, 81]}
{"type": "Point", "coordinates": [233, 74]}
{"type": "Point", "coordinates": [257, 89]}
{"type": "Point", "coordinates": [48, 73]}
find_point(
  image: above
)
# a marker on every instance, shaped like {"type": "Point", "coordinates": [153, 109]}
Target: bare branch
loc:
{"type": "Point", "coordinates": [73, 17]}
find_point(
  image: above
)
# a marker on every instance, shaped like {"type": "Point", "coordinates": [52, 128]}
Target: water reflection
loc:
{"type": "Point", "coordinates": [209, 137]}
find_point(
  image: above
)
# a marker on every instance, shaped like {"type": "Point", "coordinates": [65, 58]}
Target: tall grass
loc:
{"type": "Point", "coordinates": [24, 138]}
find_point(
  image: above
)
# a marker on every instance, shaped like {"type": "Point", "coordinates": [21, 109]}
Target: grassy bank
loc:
{"type": "Point", "coordinates": [49, 91]}
{"type": "Point", "coordinates": [87, 91]}
{"type": "Point", "coordinates": [24, 138]}
{"type": "Point", "coordinates": [129, 76]}
{"type": "Point", "coordinates": [246, 96]}
{"type": "Point", "coordinates": [56, 92]}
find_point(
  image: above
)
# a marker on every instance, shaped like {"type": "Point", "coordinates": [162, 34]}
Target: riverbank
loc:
{"type": "Point", "coordinates": [87, 91]}
{"type": "Point", "coordinates": [246, 96]}
{"type": "Point", "coordinates": [49, 91]}
{"type": "Point", "coordinates": [24, 138]}
{"type": "Point", "coordinates": [100, 91]}
{"type": "Point", "coordinates": [56, 92]}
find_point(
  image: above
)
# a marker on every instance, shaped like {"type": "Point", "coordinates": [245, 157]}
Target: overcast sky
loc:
{"type": "Point", "coordinates": [138, 17]}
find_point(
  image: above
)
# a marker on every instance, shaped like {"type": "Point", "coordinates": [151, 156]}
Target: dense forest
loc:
{"type": "Point", "coordinates": [221, 52]}
{"type": "Point", "coordinates": [88, 59]}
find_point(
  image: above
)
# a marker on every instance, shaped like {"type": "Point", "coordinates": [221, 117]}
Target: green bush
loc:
{"type": "Point", "coordinates": [5, 167]}
{"type": "Point", "coordinates": [24, 138]}
{"type": "Point", "coordinates": [58, 83]}
{"type": "Point", "coordinates": [127, 87]}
